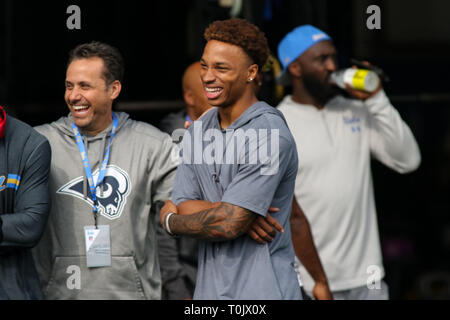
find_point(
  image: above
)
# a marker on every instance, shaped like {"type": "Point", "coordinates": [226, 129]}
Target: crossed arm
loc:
{"type": "Point", "coordinates": [223, 221]}
{"type": "Point", "coordinates": [219, 221]}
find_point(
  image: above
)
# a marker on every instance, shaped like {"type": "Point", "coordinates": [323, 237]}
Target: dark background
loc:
{"type": "Point", "coordinates": [160, 38]}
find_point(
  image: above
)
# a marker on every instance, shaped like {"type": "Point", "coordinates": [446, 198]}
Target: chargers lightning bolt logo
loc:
{"type": "Point", "coordinates": [116, 188]}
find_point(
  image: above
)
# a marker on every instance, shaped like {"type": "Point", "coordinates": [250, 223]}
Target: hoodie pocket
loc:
{"type": "Point", "coordinates": [71, 279]}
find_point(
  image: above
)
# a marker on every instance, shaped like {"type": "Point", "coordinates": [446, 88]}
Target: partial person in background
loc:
{"type": "Point", "coordinates": [337, 133]}
{"type": "Point", "coordinates": [178, 256]}
{"type": "Point", "coordinates": [25, 157]}
{"type": "Point", "coordinates": [194, 98]}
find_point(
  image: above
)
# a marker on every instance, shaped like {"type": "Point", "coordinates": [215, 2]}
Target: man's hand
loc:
{"type": "Point", "coordinates": [168, 207]}
{"type": "Point", "coordinates": [263, 230]}
{"type": "Point", "coordinates": [361, 95]}
{"type": "Point", "coordinates": [321, 291]}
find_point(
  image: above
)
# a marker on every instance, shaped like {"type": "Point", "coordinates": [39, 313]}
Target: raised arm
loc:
{"type": "Point", "coordinates": [391, 139]}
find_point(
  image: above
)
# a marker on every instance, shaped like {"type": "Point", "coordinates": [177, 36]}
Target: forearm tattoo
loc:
{"type": "Point", "coordinates": [225, 222]}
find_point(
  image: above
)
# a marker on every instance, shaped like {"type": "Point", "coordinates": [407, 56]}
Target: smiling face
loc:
{"type": "Point", "coordinates": [88, 96]}
{"type": "Point", "coordinates": [193, 91]}
{"type": "Point", "coordinates": [227, 73]}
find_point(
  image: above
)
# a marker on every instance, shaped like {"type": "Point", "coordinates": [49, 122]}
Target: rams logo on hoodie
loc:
{"type": "Point", "coordinates": [112, 200]}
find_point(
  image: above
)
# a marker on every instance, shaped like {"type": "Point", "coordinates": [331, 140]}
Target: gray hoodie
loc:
{"type": "Point", "coordinates": [256, 174]}
{"type": "Point", "coordinates": [139, 176]}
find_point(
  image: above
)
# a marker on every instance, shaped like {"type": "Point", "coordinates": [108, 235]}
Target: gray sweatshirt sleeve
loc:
{"type": "Point", "coordinates": [166, 170]}
{"type": "Point", "coordinates": [24, 226]}
{"type": "Point", "coordinates": [172, 273]}
{"type": "Point", "coordinates": [171, 269]}
{"type": "Point", "coordinates": [391, 140]}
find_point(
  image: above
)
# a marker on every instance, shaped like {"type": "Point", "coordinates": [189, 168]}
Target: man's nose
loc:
{"type": "Point", "coordinates": [73, 95]}
{"type": "Point", "coordinates": [331, 64]}
{"type": "Point", "coordinates": [207, 75]}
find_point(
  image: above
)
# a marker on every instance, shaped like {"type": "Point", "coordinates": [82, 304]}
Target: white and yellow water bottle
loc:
{"type": "Point", "coordinates": [359, 79]}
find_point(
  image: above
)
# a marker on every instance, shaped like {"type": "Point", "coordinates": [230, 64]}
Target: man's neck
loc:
{"type": "Point", "coordinates": [232, 112]}
{"type": "Point", "coordinates": [304, 97]}
{"type": "Point", "coordinates": [190, 111]}
{"type": "Point", "coordinates": [97, 131]}
{"type": "Point", "coordinates": [301, 95]}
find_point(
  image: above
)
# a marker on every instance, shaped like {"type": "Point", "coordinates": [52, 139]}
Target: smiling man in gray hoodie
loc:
{"type": "Point", "coordinates": [108, 175]}
{"type": "Point", "coordinates": [238, 160]}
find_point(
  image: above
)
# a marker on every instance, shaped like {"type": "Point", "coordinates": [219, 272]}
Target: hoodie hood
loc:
{"type": "Point", "coordinates": [64, 125]}
{"type": "Point", "coordinates": [256, 110]}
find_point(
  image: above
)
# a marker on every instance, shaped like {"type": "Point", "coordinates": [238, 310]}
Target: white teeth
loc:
{"type": "Point", "coordinates": [212, 90]}
{"type": "Point", "coordinates": [79, 108]}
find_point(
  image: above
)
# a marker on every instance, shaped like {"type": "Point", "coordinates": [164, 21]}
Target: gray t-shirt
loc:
{"type": "Point", "coordinates": [252, 164]}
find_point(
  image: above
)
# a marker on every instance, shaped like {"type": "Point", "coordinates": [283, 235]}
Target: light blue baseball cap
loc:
{"type": "Point", "coordinates": [294, 44]}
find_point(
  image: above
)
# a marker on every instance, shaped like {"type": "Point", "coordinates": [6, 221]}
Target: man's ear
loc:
{"type": "Point", "coordinates": [115, 88]}
{"type": "Point", "coordinates": [295, 69]}
{"type": "Point", "coordinates": [252, 72]}
{"type": "Point", "coordinates": [188, 97]}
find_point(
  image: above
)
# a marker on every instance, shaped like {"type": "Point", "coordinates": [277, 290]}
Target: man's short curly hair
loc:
{"type": "Point", "coordinates": [243, 34]}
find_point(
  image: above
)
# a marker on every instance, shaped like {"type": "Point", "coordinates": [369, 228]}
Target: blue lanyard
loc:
{"type": "Point", "coordinates": [87, 167]}
{"type": "Point", "coordinates": [188, 118]}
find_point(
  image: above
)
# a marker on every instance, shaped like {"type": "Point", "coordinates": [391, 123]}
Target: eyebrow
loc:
{"type": "Point", "coordinates": [82, 83]}
{"type": "Point", "coordinates": [325, 55]}
{"type": "Point", "coordinates": [216, 63]}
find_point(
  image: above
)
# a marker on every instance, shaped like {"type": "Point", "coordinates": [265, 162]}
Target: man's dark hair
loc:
{"type": "Point", "coordinates": [112, 59]}
{"type": "Point", "coordinates": [243, 34]}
